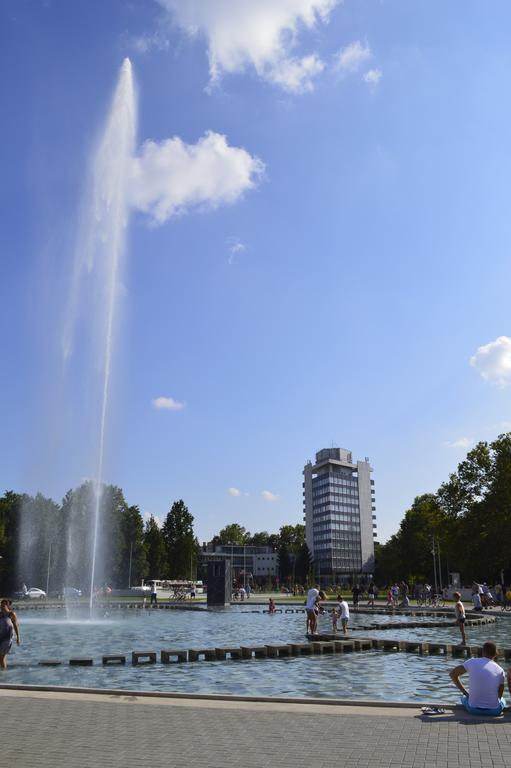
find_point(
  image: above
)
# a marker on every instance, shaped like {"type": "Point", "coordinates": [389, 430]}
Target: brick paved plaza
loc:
{"type": "Point", "coordinates": [80, 730]}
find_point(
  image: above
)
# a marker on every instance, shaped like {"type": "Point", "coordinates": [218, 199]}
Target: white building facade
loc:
{"type": "Point", "coordinates": [339, 509]}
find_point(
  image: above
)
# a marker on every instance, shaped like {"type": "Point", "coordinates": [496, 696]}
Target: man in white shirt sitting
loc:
{"type": "Point", "coordinates": [486, 683]}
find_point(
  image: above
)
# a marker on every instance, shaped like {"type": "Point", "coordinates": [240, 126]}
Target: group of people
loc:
{"type": "Point", "coordinates": [313, 609]}
{"type": "Point", "coordinates": [241, 593]}
{"type": "Point", "coordinates": [9, 629]}
{"type": "Point", "coordinates": [484, 597]}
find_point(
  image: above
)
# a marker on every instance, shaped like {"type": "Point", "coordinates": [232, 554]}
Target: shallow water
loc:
{"type": "Point", "coordinates": [368, 675]}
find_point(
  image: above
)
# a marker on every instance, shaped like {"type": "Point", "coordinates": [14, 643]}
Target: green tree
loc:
{"type": "Point", "coordinates": [408, 554]}
{"type": "Point", "coordinates": [233, 534]}
{"type": "Point", "coordinates": [303, 565]}
{"type": "Point", "coordinates": [155, 549]}
{"type": "Point", "coordinates": [180, 542]}
{"type": "Point", "coordinates": [133, 562]}
{"type": "Point", "coordinates": [10, 508]}
{"type": "Point", "coordinates": [285, 561]}
{"type": "Point", "coordinates": [291, 543]}
{"type": "Point", "coordinates": [73, 563]}
{"type": "Point", "coordinates": [478, 499]}
{"type": "Point", "coordinates": [260, 539]}
{"type": "Point", "coordinates": [41, 544]}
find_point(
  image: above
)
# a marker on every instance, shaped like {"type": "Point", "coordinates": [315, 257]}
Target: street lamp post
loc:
{"type": "Point", "coordinates": [48, 570]}
{"type": "Point", "coordinates": [439, 567]}
{"type": "Point", "coordinates": [131, 557]}
{"type": "Point", "coordinates": [433, 552]}
{"type": "Point", "coordinates": [231, 543]}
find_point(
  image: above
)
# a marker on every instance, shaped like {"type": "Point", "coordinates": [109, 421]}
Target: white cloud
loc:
{"type": "Point", "coordinates": [351, 58]}
{"type": "Point", "coordinates": [269, 496]}
{"type": "Point", "coordinates": [493, 361]}
{"type": "Point", "coordinates": [236, 492]}
{"type": "Point", "coordinates": [373, 76]}
{"type": "Point", "coordinates": [170, 177]}
{"type": "Point", "coordinates": [167, 404]}
{"type": "Point", "coordinates": [296, 75]}
{"type": "Point", "coordinates": [144, 43]}
{"type": "Point", "coordinates": [235, 247]}
{"type": "Point", "coordinates": [462, 442]}
{"type": "Point", "coordinates": [255, 33]}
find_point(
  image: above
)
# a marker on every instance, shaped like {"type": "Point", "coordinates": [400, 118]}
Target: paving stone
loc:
{"type": "Point", "coordinates": [124, 731]}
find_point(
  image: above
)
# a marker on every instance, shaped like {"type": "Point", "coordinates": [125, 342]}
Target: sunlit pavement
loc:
{"type": "Point", "coordinates": [80, 730]}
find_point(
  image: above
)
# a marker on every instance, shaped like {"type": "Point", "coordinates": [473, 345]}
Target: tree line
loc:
{"type": "Point", "coordinates": [46, 544]}
{"type": "Point", "coordinates": [469, 517]}
{"type": "Point", "coordinates": [49, 545]}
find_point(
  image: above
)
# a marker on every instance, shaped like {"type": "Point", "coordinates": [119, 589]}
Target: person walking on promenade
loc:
{"type": "Point", "coordinates": [459, 612]}
{"type": "Point", "coordinates": [370, 595]}
{"type": "Point", "coordinates": [486, 683]}
{"type": "Point", "coordinates": [154, 593]}
{"type": "Point", "coordinates": [8, 629]}
{"type": "Point", "coordinates": [356, 593]}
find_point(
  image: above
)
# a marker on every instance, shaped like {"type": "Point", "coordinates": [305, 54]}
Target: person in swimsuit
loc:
{"type": "Point", "coordinates": [8, 629]}
{"type": "Point", "coordinates": [459, 612]}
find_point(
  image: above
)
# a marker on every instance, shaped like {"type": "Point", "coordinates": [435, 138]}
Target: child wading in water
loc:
{"type": "Point", "coordinates": [459, 612]}
{"type": "Point", "coordinates": [344, 612]}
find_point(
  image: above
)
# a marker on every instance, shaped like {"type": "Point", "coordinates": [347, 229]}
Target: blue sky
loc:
{"type": "Point", "coordinates": [353, 289]}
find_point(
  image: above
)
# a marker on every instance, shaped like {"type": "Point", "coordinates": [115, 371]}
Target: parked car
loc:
{"type": "Point", "coordinates": [143, 589]}
{"type": "Point", "coordinates": [35, 594]}
{"type": "Point", "coordinates": [71, 593]}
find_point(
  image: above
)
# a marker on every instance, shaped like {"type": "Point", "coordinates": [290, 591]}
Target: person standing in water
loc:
{"type": "Point", "coordinates": [459, 612]}
{"type": "Point", "coordinates": [8, 629]}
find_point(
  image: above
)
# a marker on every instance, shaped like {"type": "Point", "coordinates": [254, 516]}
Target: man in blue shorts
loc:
{"type": "Point", "coordinates": [486, 683]}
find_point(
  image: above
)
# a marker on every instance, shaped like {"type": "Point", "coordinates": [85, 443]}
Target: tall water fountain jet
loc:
{"type": "Point", "coordinates": [98, 262]}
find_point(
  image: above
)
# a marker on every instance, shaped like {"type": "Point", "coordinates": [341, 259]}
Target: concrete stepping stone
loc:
{"type": "Point", "coordinates": [233, 653]}
{"type": "Point", "coordinates": [208, 653]}
{"type": "Point", "coordinates": [278, 651]}
{"type": "Point", "coordinates": [169, 656]}
{"type": "Point", "coordinates": [254, 651]}
{"type": "Point", "coordinates": [143, 657]}
{"type": "Point", "coordinates": [300, 649]}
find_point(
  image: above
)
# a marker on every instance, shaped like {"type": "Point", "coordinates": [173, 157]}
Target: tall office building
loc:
{"type": "Point", "coordinates": [339, 515]}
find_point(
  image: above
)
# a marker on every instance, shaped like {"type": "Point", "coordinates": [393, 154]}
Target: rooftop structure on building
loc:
{"type": "Point", "coordinates": [339, 509]}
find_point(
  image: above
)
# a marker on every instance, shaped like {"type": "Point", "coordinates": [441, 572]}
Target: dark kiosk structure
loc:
{"type": "Point", "coordinates": [219, 582]}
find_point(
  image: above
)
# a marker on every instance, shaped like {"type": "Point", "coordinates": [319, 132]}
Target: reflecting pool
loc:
{"type": "Point", "coordinates": [367, 675]}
